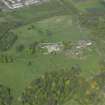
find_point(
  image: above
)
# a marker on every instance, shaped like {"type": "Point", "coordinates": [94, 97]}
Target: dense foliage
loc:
{"type": "Point", "coordinates": [5, 95]}
{"type": "Point", "coordinates": [56, 88]}
{"type": "Point", "coordinates": [7, 38]}
{"type": "Point", "coordinates": [52, 88]}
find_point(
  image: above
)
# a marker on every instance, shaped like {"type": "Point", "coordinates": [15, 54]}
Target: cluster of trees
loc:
{"type": "Point", "coordinates": [102, 65]}
{"type": "Point", "coordinates": [52, 88]}
{"type": "Point", "coordinates": [67, 45]}
{"type": "Point", "coordinates": [5, 95]}
{"type": "Point", "coordinates": [91, 92]}
{"type": "Point", "coordinates": [7, 38]}
{"type": "Point", "coordinates": [100, 79]}
{"type": "Point", "coordinates": [20, 48]}
{"type": "Point", "coordinates": [57, 87]}
{"type": "Point", "coordinates": [31, 49]}
{"type": "Point", "coordinates": [4, 58]}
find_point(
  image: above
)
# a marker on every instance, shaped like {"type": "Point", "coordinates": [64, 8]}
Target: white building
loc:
{"type": "Point", "coordinates": [13, 4]}
{"type": "Point", "coordinates": [52, 47]}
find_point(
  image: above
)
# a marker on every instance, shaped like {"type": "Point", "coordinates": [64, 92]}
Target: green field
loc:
{"type": "Point", "coordinates": [52, 23]}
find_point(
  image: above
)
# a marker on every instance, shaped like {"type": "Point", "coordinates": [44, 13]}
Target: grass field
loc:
{"type": "Point", "coordinates": [50, 24]}
{"type": "Point", "coordinates": [56, 25]}
{"type": "Point", "coordinates": [88, 4]}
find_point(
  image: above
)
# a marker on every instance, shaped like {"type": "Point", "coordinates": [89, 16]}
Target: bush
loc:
{"type": "Point", "coordinates": [51, 88]}
{"type": "Point", "coordinates": [5, 95]}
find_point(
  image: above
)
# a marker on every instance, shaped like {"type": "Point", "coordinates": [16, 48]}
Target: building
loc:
{"type": "Point", "coordinates": [13, 4]}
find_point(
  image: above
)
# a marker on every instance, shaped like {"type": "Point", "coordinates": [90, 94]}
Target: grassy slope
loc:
{"type": "Point", "coordinates": [56, 25]}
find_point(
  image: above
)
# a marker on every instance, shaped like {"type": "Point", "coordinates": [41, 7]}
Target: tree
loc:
{"type": "Point", "coordinates": [102, 65]}
{"type": "Point", "coordinates": [6, 97]}
{"type": "Point", "coordinates": [20, 48]}
{"type": "Point", "coordinates": [67, 45]}
{"type": "Point", "coordinates": [33, 47]}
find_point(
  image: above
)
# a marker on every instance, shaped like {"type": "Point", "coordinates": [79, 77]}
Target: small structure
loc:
{"type": "Point", "coordinates": [79, 49]}
{"type": "Point", "coordinates": [51, 47]}
{"type": "Point", "coordinates": [83, 44]}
